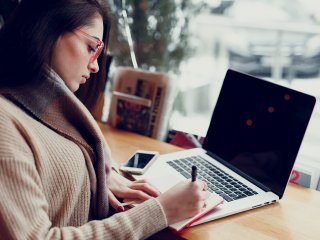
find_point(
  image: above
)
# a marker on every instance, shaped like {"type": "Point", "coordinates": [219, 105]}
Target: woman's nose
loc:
{"type": "Point", "coordinates": [94, 66]}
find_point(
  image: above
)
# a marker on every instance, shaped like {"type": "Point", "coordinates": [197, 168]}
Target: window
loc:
{"type": "Point", "coordinates": [197, 41]}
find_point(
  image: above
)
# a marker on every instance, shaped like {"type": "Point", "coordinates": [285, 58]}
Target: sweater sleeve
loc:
{"type": "Point", "coordinates": [24, 207]}
{"type": "Point", "coordinates": [23, 212]}
{"type": "Point", "coordinates": [137, 223]}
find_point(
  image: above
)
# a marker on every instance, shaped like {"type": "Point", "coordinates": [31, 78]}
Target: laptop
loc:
{"type": "Point", "coordinates": [250, 148]}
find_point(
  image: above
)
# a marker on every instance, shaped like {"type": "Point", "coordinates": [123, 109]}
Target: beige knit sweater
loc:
{"type": "Point", "coordinates": [45, 189]}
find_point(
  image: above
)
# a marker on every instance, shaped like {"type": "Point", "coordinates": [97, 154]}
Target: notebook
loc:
{"type": "Point", "coordinates": [252, 142]}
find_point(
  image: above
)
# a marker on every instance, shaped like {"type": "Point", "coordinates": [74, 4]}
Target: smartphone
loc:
{"type": "Point", "coordinates": [139, 162]}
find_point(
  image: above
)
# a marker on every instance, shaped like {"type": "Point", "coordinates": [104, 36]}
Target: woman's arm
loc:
{"type": "Point", "coordinates": [24, 211]}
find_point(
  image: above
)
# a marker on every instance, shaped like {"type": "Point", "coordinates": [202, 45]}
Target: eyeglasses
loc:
{"type": "Point", "coordinates": [97, 49]}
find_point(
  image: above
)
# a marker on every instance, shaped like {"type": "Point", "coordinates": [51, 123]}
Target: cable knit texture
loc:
{"type": "Point", "coordinates": [54, 165]}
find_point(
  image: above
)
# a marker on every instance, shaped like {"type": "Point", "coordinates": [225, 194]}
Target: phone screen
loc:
{"type": "Point", "coordinates": [139, 160]}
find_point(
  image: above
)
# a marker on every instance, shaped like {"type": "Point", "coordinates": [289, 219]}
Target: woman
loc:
{"type": "Point", "coordinates": [56, 177]}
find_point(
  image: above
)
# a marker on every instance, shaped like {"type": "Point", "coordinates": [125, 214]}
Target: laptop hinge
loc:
{"type": "Point", "coordinates": [242, 174]}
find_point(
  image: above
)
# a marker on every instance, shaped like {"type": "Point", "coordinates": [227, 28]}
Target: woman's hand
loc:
{"type": "Point", "coordinates": [184, 200]}
{"type": "Point", "coordinates": [120, 187]}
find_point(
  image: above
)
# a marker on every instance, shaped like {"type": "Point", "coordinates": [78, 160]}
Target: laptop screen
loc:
{"type": "Point", "coordinates": [257, 127]}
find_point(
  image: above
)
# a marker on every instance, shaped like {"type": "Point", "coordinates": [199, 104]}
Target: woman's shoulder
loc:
{"type": "Point", "coordinates": [9, 109]}
{"type": "Point", "coordinates": [11, 113]}
{"type": "Point", "coordinates": [12, 137]}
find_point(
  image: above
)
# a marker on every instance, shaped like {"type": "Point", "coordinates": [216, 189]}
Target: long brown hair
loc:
{"type": "Point", "coordinates": [28, 37]}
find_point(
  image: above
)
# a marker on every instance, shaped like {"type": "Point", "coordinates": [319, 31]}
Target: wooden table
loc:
{"type": "Point", "coordinates": [295, 216]}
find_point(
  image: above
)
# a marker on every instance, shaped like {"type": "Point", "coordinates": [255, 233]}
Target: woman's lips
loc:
{"type": "Point", "coordinates": [84, 79]}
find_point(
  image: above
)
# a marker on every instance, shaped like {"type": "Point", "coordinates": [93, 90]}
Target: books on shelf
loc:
{"type": "Point", "coordinates": [126, 109]}
{"type": "Point", "coordinates": [141, 102]}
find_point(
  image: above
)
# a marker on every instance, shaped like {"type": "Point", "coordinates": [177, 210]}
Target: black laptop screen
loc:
{"type": "Point", "coordinates": [257, 127]}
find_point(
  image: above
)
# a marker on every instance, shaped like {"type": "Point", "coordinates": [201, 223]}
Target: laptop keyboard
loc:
{"type": "Point", "coordinates": [218, 181]}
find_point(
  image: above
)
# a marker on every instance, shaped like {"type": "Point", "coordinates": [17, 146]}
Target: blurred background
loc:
{"type": "Point", "coordinates": [196, 41]}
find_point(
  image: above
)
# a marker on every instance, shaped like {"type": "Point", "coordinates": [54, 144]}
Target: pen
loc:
{"type": "Point", "coordinates": [193, 173]}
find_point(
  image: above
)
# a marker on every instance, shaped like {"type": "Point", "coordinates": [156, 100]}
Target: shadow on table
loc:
{"type": "Point", "coordinates": [166, 234]}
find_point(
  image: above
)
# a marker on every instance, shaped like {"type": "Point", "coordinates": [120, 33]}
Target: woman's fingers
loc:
{"type": "Point", "coordinates": [146, 181]}
{"type": "Point", "coordinates": [145, 187]}
{"type": "Point", "coordinates": [201, 189]}
{"type": "Point", "coordinates": [135, 194]}
{"type": "Point", "coordinates": [205, 186]}
{"type": "Point", "coordinates": [141, 191]}
{"type": "Point", "coordinates": [205, 195]}
{"type": "Point", "coordinates": [114, 202]}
